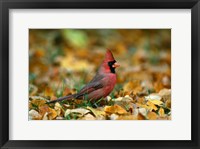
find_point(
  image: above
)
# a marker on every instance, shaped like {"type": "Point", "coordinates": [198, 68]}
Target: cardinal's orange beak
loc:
{"type": "Point", "coordinates": [115, 65]}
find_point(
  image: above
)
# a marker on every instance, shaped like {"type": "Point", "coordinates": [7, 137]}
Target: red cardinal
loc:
{"type": "Point", "coordinates": [101, 85]}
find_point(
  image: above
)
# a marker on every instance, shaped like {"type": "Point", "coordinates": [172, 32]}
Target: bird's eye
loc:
{"type": "Point", "coordinates": [111, 63]}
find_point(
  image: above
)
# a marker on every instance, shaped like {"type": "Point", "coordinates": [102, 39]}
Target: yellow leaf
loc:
{"type": "Point", "coordinates": [134, 85]}
{"type": "Point", "coordinates": [115, 109]}
{"type": "Point", "coordinates": [156, 102]}
{"type": "Point", "coordinates": [52, 114]}
{"type": "Point", "coordinates": [48, 92]}
{"type": "Point", "coordinates": [38, 102]}
{"type": "Point", "coordinates": [58, 109]}
{"type": "Point", "coordinates": [143, 106]}
{"type": "Point", "coordinates": [161, 112]}
{"type": "Point", "coordinates": [72, 64]}
{"type": "Point", "coordinates": [98, 113]}
{"type": "Point", "coordinates": [152, 106]}
{"type": "Point", "coordinates": [67, 112]}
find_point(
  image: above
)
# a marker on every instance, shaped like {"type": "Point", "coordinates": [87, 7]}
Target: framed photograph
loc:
{"type": "Point", "coordinates": [103, 74]}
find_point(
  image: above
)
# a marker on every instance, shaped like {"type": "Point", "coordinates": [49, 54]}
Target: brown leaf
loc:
{"type": "Point", "coordinates": [51, 112]}
{"type": "Point", "coordinates": [43, 109]}
{"type": "Point", "coordinates": [165, 94]}
{"type": "Point", "coordinates": [152, 116]}
{"type": "Point", "coordinates": [38, 102]}
{"type": "Point", "coordinates": [168, 103]}
{"type": "Point", "coordinates": [140, 117]}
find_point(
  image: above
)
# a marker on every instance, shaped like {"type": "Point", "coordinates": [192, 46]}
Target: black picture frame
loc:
{"type": "Point", "coordinates": [5, 5]}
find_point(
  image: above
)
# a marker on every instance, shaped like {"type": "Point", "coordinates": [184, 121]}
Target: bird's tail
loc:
{"type": "Point", "coordinates": [69, 97]}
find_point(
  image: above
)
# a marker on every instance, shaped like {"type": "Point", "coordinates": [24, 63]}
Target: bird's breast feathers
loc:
{"type": "Point", "coordinates": [110, 81]}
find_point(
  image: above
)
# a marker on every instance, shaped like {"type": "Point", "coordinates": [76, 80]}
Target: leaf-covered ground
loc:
{"type": "Point", "coordinates": [61, 62]}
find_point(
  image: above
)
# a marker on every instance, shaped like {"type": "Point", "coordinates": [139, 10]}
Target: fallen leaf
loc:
{"type": "Point", "coordinates": [32, 90]}
{"type": "Point", "coordinates": [118, 99]}
{"type": "Point", "coordinates": [67, 112]}
{"type": "Point", "coordinates": [127, 117]}
{"type": "Point", "coordinates": [168, 103]}
{"type": "Point", "coordinates": [161, 112]}
{"type": "Point", "coordinates": [38, 102]}
{"type": "Point", "coordinates": [87, 117]}
{"type": "Point", "coordinates": [127, 105]}
{"type": "Point", "coordinates": [108, 98]}
{"type": "Point", "coordinates": [151, 105]}
{"type": "Point", "coordinates": [142, 111]}
{"type": "Point", "coordinates": [52, 114]}
{"type": "Point", "coordinates": [98, 113]}
{"type": "Point", "coordinates": [45, 117]}
{"type": "Point", "coordinates": [165, 94]}
{"type": "Point", "coordinates": [152, 116]}
{"type": "Point", "coordinates": [143, 106]}
{"type": "Point", "coordinates": [59, 118]}
{"type": "Point", "coordinates": [153, 96]}
{"type": "Point", "coordinates": [79, 112]}
{"type": "Point", "coordinates": [140, 117]}
{"type": "Point", "coordinates": [126, 98]}
{"type": "Point", "coordinates": [115, 109]}
{"type": "Point", "coordinates": [114, 116]}
{"type": "Point", "coordinates": [140, 100]}
{"type": "Point", "coordinates": [157, 102]}
{"type": "Point", "coordinates": [134, 85]}
{"type": "Point", "coordinates": [72, 64]}
{"type": "Point", "coordinates": [34, 115]}
{"type": "Point", "coordinates": [135, 112]}
{"type": "Point", "coordinates": [58, 109]}
{"type": "Point", "coordinates": [48, 92]}
{"type": "Point", "coordinates": [53, 98]}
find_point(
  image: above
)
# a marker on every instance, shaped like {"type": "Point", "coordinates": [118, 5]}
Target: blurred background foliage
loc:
{"type": "Point", "coordinates": [61, 61]}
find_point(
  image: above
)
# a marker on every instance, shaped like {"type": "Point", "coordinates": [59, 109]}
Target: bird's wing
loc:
{"type": "Point", "coordinates": [93, 85]}
{"type": "Point", "coordinates": [96, 78]}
